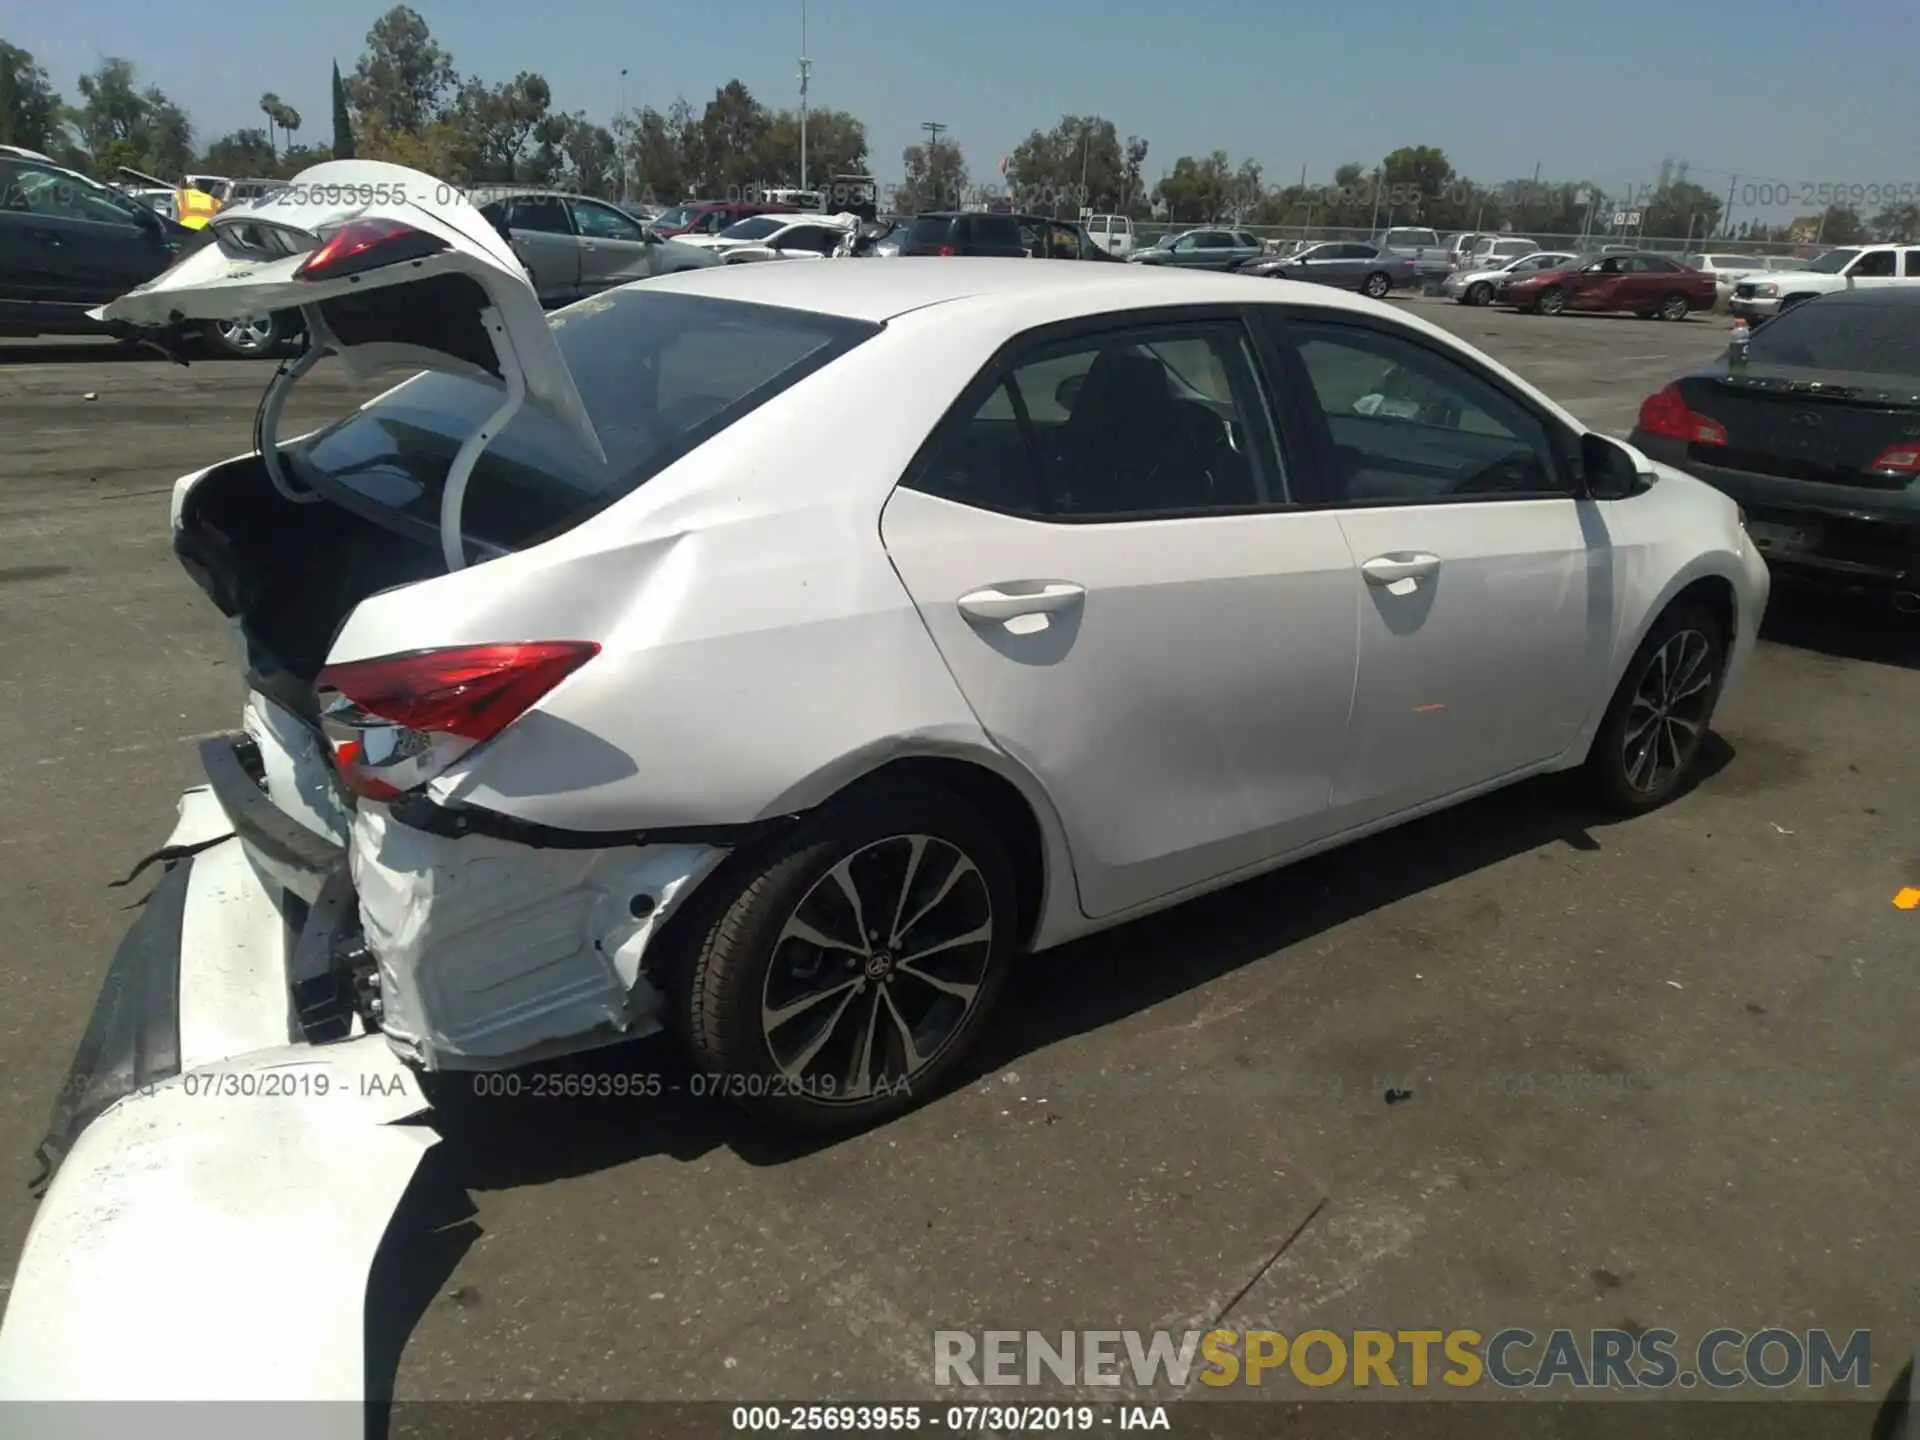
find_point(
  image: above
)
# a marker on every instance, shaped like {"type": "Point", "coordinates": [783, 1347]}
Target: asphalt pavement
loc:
{"type": "Point", "coordinates": [1508, 1065]}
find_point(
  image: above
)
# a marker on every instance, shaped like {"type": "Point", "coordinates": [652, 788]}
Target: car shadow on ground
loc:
{"type": "Point", "coordinates": [626, 1102]}
{"type": "Point", "coordinates": [1846, 627]}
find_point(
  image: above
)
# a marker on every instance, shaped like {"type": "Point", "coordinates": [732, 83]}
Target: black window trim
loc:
{"type": "Point", "coordinates": [509, 203]}
{"type": "Point", "coordinates": [1275, 468]}
{"type": "Point", "coordinates": [1312, 440]}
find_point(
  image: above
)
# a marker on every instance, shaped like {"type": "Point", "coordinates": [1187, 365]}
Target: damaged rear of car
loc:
{"type": "Point", "coordinates": [403, 858]}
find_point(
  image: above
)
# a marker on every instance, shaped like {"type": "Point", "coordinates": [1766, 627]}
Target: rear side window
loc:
{"type": "Point", "coordinates": [659, 374]}
{"type": "Point", "coordinates": [997, 231]}
{"type": "Point", "coordinates": [1870, 339]}
{"type": "Point", "coordinates": [931, 230]}
{"type": "Point", "coordinates": [542, 214]}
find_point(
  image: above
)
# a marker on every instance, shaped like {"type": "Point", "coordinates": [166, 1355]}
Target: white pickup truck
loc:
{"type": "Point", "coordinates": [1854, 267]}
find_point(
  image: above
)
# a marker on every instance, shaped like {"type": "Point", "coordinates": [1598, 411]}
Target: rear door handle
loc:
{"type": "Point", "coordinates": [1390, 569]}
{"type": "Point", "coordinates": [994, 603]}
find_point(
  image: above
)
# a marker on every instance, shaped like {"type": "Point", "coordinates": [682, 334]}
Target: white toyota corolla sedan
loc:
{"type": "Point", "coordinates": [599, 683]}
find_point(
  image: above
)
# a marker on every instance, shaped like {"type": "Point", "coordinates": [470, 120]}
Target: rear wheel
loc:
{"type": "Point", "coordinates": [1377, 285]}
{"type": "Point", "coordinates": [245, 339]}
{"type": "Point", "coordinates": [1551, 302]}
{"type": "Point", "coordinates": [1479, 293]}
{"type": "Point", "coordinates": [849, 964]}
{"type": "Point", "coordinates": [1673, 307]}
{"type": "Point", "coordinates": [1648, 745]}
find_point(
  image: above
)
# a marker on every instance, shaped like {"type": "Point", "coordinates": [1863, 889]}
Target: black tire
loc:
{"type": "Point", "coordinates": [1622, 773]}
{"type": "Point", "coordinates": [1673, 307]}
{"type": "Point", "coordinates": [1377, 285]}
{"type": "Point", "coordinates": [743, 960]}
{"type": "Point", "coordinates": [251, 340]}
{"type": "Point", "coordinates": [1551, 301]}
{"type": "Point", "coordinates": [1479, 293]}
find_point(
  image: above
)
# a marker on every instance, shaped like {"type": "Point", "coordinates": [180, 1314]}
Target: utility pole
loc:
{"type": "Point", "coordinates": [1727, 219]}
{"type": "Point", "coordinates": [624, 129]}
{"type": "Point", "coordinates": [1086, 146]}
{"type": "Point", "coordinates": [933, 129]}
{"type": "Point", "coordinates": [806, 70]}
{"type": "Point", "coordinates": [1374, 228]}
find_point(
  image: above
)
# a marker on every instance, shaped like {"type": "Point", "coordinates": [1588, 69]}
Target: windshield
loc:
{"type": "Point", "coordinates": [659, 374]}
{"type": "Point", "coordinates": [676, 218]}
{"type": "Point", "coordinates": [1833, 262]}
{"type": "Point", "coordinates": [1868, 339]}
{"type": "Point", "coordinates": [758, 228]}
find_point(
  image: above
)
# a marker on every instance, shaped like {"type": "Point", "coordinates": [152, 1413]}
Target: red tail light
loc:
{"type": "Point", "coordinates": [1666, 414]}
{"type": "Point", "coordinates": [1900, 459]}
{"type": "Point", "coordinates": [473, 691]}
{"type": "Point", "coordinates": [948, 250]}
{"type": "Point", "coordinates": [396, 722]}
{"type": "Point", "coordinates": [362, 245]}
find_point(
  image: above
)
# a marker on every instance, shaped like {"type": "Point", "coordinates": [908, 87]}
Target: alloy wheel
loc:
{"type": "Point", "coordinates": [1480, 293]}
{"type": "Point", "coordinates": [1674, 307]}
{"type": "Point", "coordinates": [1553, 302]}
{"type": "Point", "coordinates": [250, 336]}
{"type": "Point", "coordinates": [877, 969]}
{"type": "Point", "coordinates": [1667, 718]}
{"type": "Point", "coordinates": [1378, 285]}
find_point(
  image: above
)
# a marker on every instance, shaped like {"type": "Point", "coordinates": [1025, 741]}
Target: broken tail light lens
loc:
{"type": "Point", "coordinates": [1666, 413]}
{"type": "Point", "coordinates": [396, 722]}
{"type": "Point", "coordinates": [362, 245]}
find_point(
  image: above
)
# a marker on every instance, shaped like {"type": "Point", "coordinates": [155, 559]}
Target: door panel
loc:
{"type": "Point", "coordinates": [542, 237]}
{"type": "Point", "coordinates": [1188, 714]}
{"type": "Point", "coordinates": [613, 248]}
{"type": "Point", "coordinates": [1486, 592]}
{"type": "Point", "coordinates": [1487, 664]}
{"type": "Point", "coordinates": [1101, 552]}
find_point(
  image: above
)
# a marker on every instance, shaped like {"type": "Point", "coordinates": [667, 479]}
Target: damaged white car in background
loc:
{"type": "Point", "coordinates": [589, 693]}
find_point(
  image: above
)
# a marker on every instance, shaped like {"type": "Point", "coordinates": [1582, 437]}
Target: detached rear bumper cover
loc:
{"type": "Point", "coordinates": [217, 1190]}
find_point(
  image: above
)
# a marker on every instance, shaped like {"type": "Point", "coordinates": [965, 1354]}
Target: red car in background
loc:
{"type": "Point", "coordinates": [709, 217]}
{"type": "Point", "coordinates": [1649, 285]}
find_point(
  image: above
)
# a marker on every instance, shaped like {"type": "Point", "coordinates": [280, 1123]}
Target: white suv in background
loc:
{"type": "Point", "coordinates": [1852, 267]}
{"type": "Point", "coordinates": [1729, 270]}
{"type": "Point", "coordinates": [1112, 233]}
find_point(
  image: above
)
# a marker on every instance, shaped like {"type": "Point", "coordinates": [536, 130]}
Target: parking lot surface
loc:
{"type": "Point", "coordinates": [1660, 1072]}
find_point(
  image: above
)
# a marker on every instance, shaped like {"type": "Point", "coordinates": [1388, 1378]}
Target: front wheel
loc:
{"type": "Point", "coordinates": [1673, 307]}
{"type": "Point", "coordinates": [1648, 745]}
{"type": "Point", "coordinates": [1376, 285]}
{"type": "Point", "coordinates": [849, 963]}
{"type": "Point", "coordinates": [1551, 302]}
{"type": "Point", "coordinates": [1479, 293]}
{"type": "Point", "coordinates": [245, 339]}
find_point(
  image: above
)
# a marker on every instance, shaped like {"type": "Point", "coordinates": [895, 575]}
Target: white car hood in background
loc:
{"type": "Point", "coordinates": [216, 282]}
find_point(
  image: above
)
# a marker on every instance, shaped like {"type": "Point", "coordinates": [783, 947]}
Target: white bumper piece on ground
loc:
{"type": "Point", "coordinates": [219, 1185]}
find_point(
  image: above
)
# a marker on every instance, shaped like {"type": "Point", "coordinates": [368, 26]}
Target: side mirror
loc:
{"type": "Point", "coordinates": [1611, 473]}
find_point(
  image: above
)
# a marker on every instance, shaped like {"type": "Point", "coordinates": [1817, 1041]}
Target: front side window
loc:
{"type": "Point", "coordinates": [1410, 426]}
{"type": "Point", "coordinates": [1875, 264]}
{"type": "Point", "coordinates": [26, 188]}
{"type": "Point", "coordinates": [1159, 421]}
{"type": "Point", "coordinates": [603, 222]}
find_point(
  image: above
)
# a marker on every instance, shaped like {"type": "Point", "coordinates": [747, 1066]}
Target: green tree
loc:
{"type": "Point", "coordinates": [343, 148]}
{"type": "Point", "coordinates": [30, 108]}
{"type": "Point", "coordinates": [1681, 209]}
{"type": "Point", "coordinates": [508, 129]}
{"type": "Point", "coordinates": [1841, 225]}
{"type": "Point", "coordinates": [121, 124]}
{"type": "Point", "coordinates": [836, 145]}
{"type": "Point", "coordinates": [733, 139]}
{"type": "Point", "coordinates": [405, 81]}
{"type": "Point", "coordinates": [1078, 162]}
{"type": "Point", "coordinates": [244, 152]}
{"type": "Point", "coordinates": [1417, 181]}
{"type": "Point", "coordinates": [936, 177]}
{"type": "Point", "coordinates": [1196, 190]}
{"type": "Point", "coordinates": [1897, 222]}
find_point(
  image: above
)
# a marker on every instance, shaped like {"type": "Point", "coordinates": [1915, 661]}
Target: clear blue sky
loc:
{"type": "Point", "coordinates": [1806, 92]}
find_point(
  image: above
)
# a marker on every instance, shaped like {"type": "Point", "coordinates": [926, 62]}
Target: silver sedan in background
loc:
{"type": "Point", "coordinates": [1350, 265]}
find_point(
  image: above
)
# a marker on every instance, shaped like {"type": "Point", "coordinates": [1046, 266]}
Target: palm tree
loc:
{"type": "Point", "coordinates": [270, 107]}
{"type": "Point", "coordinates": [289, 122]}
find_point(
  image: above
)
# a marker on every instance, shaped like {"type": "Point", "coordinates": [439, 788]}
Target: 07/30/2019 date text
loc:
{"type": "Point", "coordinates": [949, 1419]}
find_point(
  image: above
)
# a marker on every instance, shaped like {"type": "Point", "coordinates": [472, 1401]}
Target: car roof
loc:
{"type": "Point", "coordinates": [1890, 295]}
{"type": "Point", "coordinates": [877, 293]}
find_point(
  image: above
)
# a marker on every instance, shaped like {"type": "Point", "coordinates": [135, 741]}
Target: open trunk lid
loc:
{"type": "Point", "coordinates": [389, 267]}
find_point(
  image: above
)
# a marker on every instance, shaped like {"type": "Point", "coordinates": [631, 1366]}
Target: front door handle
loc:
{"type": "Point", "coordinates": [1391, 569]}
{"type": "Point", "coordinates": [994, 603]}
{"type": "Point", "coordinates": [46, 237]}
